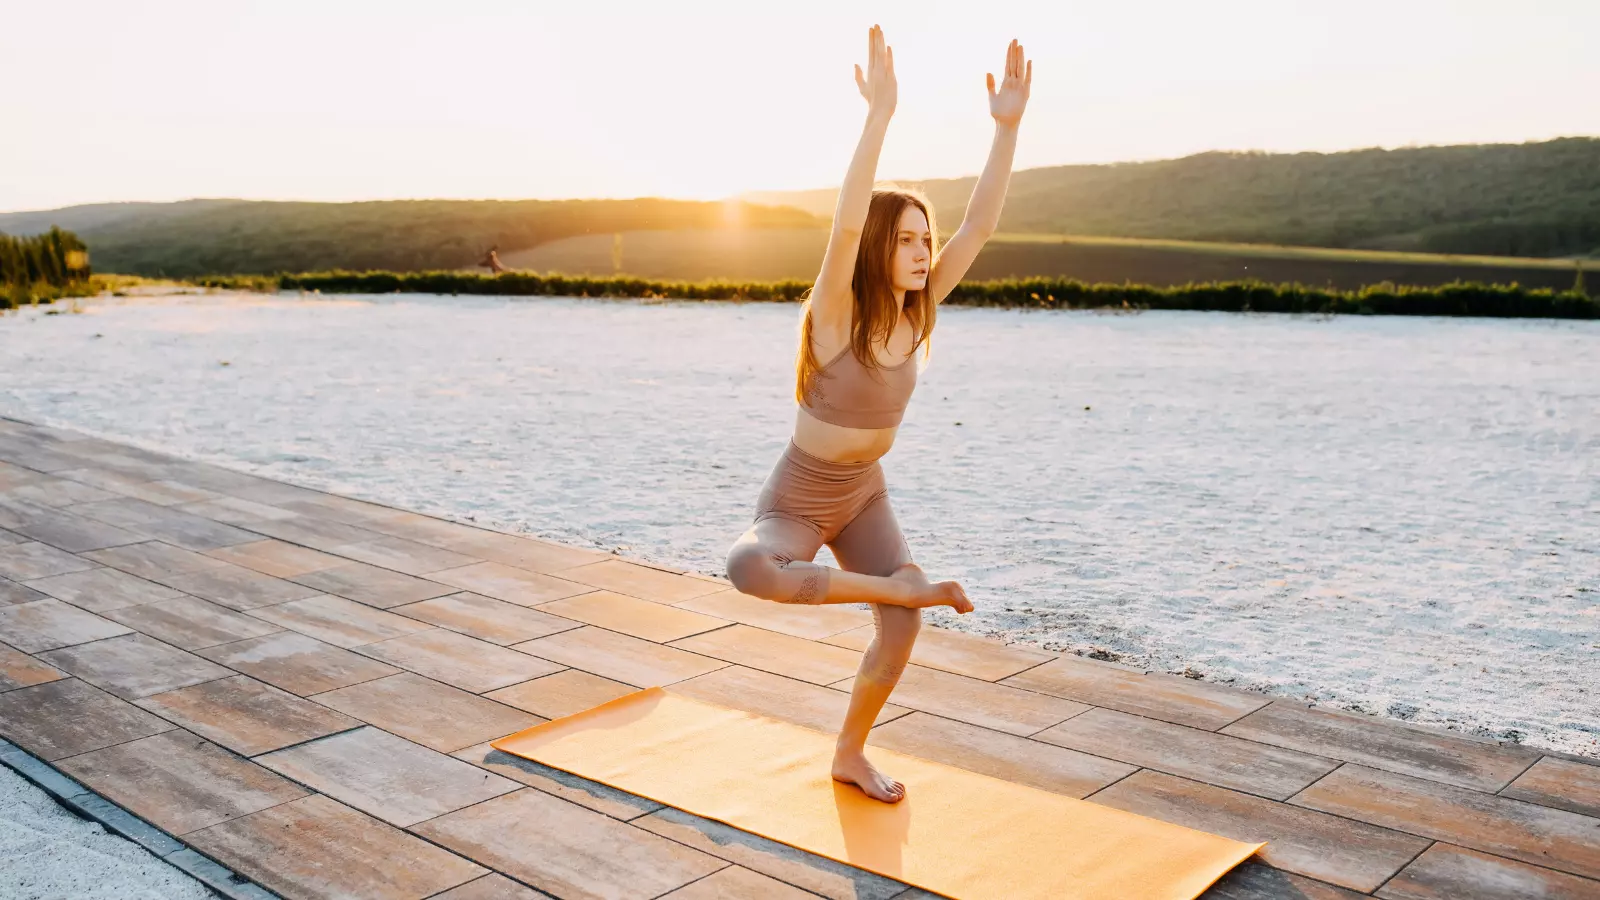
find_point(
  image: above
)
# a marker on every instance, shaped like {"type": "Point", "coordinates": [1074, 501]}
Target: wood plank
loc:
{"type": "Point", "coordinates": [246, 716]}
{"type": "Point", "coordinates": [812, 622]}
{"type": "Point", "coordinates": [592, 794]}
{"type": "Point", "coordinates": [982, 703]}
{"type": "Point", "coordinates": [1256, 881]}
{"type": "Point", "coordinates": [458, 660]}
{"type": "Point", "coordinates": [1328, 848]}
{"type": "Point", "coordinates": [620, 657]}
{"type": "Point", "coordinates": [103, 589]}
{"type": "Point", "coordinates": [1560, 784]}
{"type": "Point", "coordinates": [31, 559]}
{"type": "Point", "coordinates": [581, 855]}
{"type": "Point", "coordinates": [19, 670]}
{"type": "Point", "coordinates": [630, 615]}
{"type": "Point", "coordinates": [797, 867]}
{"type": "Point", "coordinates": [957, 652]}
{"type": "Point", "coordinates": [493, 886]}
{"type": "Point", "coordinates": [777, 697]}
{"type": "Point", "coordinates": [562, 694]}
{"type": "Point", "coordinates": [385, 776]}
{"type": "Point", "coordinates": [405, 556]}
{"type": "Point", "coordinates": [1513, 828]}
{"type": "Point", "coordinates": [635, 580]}
{"type": "Point", "coordinates": [777, 653]}
{"type": "Point", "coordinates": [341, 622]}
{"type": "Point", "coordinates": [1446, 872]}
{"type": "Point", "coordinates": [486, 618]}
{"type": "Point", "coordinates": [1217, 759]}
{"type": "Point", "coordinates": [180, 782]}
{"type": "Point", "coordinates": [371, 585]}
{"type": "Point", "coordinates": [276, 558]}
{"type": "Point", "coordinates": [735, 883]}
{"type": "Point", "coordinates": [67, 717]}
{"type": "Point", "coordinates": [317, 847]}
{"type": "Point", "coordinates": [1181, 701]}
{"type": "Point", "coordinates": [48, 624]}
{"type": "Point", "coordinates": [297, 663]}
{"type": "Point", "coordinates": [191, 623]}
{"type": "Point", "coordinates": [1384, 744]}
{"type": "Point", "coordinates": [434, 715]}
{"type": "Point", "coordinates": [513, 585]}
{"type": "Point", "coordinates": [134, 665]}
{"type": "Point", "coordinates": [999, 755]}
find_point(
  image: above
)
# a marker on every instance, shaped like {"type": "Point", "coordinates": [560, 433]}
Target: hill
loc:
{"type": "Point", "coordinates": [776, 254]}
{"type": "Point", "coordinates": [1533, 199]}
{"type": "Point", "coordinates": [200, 237]}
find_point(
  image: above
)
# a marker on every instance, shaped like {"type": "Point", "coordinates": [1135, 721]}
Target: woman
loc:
{"type": "Point", "coordinates": [871, 309]}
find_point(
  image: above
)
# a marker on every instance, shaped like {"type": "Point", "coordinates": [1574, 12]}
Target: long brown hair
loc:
{"type": "Point", "coordinates": [872, 288]}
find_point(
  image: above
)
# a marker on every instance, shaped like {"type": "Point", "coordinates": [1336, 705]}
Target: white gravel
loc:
{"type": "Point", "coordinates": [47, 853]}
{"type": "Point", "coordinates": [1398, 515]}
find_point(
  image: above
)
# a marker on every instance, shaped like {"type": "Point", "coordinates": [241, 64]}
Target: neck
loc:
{"type": "Point", "coordinates": [899, 298]}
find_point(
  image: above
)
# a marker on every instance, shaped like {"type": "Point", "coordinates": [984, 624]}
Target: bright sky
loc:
{"type": "Point", "coordinates": [345, 100]}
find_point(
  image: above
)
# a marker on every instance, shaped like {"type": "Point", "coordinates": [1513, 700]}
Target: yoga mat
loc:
{"type": "Point", "coordinates": [957, 833]}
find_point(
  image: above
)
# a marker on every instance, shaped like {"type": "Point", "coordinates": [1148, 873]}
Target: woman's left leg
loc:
{"type": "Point", "coordinates": [873, 545]}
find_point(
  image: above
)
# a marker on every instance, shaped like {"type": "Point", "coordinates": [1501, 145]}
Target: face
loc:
{"type": "Point", "coordinates": [913, 251]}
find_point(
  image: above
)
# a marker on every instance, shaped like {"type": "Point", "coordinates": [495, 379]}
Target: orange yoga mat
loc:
{"type": "Point", "coordinates": [957, 833]}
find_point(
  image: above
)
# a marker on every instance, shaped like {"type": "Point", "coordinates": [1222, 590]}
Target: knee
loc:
{"type": "Point", "coordinates": [752, 570]}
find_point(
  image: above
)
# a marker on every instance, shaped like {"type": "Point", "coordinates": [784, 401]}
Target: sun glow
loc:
{"type": "Point", "coordinates": [704, 100]}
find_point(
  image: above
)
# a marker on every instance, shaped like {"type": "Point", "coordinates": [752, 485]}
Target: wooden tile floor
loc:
{"type": "Point", "coordinates": [302, 687]}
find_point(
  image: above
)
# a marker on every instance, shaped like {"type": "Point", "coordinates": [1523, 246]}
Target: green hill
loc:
{"type": "Point", "coordinates": [1534, 199]}
{"type": "Point", "coordinates": [1525, 200]}
{"type": "Point", "coordinates": [201, 237]}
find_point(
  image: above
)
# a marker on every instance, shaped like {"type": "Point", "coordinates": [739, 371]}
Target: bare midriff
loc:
{"type": "Point", "coordinates": [837, 443]}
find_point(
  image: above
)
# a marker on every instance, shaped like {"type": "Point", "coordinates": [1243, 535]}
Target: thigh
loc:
{"type": "Point", "coordinates": [785, 540]}
{"type": "Point", "coordinates": [872, 544]}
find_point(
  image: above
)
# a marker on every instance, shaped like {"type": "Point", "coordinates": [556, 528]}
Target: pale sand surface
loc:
{"type": "Point", "coordinates": [1398, 515]}
{"type": "Point", "coordinates": [47, 853]}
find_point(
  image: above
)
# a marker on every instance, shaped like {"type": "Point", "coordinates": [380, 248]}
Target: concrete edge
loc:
{"type": "Point", "coordinates": [89, 805]}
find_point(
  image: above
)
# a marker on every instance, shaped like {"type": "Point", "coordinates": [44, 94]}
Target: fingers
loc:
{"type": "Point", "coordinates": [861, 82]}
{"type": "Point", "coordinates": [989, 77]}
{"type": "Point", "coordinates": [1027, 81]}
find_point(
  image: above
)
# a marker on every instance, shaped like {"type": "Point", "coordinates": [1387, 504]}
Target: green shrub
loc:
{"type": "Point", "coordinates": [1456, 299]}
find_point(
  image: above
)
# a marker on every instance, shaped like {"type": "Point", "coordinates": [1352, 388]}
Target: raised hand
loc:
{"type": "Point", "coordinates": [1007, 104]}
{"type": "Point", "coordinates": [879, 86]}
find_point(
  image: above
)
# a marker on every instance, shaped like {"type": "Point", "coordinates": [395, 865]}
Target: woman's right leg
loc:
{"type": "Point", "coordinates": [772, 560]}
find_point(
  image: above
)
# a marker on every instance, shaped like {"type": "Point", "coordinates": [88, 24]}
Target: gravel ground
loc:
{"type": "Point", "coordinates": [47, 853]}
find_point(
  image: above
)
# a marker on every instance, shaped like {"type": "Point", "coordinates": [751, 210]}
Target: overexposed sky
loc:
{"type": "Point", "coordinates": [346, 100]}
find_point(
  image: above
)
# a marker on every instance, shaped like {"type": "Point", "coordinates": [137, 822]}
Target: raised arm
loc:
{"type": "Point", "coordinates": [830, 297]}
{"type": "Point", "coordinates": [989, 194]}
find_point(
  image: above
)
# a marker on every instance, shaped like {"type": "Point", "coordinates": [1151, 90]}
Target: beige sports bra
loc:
{"type": "Point", "coordinates": [845, 392]}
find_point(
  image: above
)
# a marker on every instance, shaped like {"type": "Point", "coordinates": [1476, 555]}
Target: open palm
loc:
{"type": "Point", "coordinates": [1006, 104]}
{"type": "Point", "coordinates": [878, 85]}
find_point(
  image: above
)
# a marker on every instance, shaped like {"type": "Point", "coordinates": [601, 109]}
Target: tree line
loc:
{"type": "Point", "coordinates": [1457, 299]}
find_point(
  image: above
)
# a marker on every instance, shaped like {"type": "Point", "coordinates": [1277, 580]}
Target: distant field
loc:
{"type": "Point", "coordinates": [772, 254]}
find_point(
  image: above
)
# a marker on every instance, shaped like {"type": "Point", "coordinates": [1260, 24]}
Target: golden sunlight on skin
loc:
{"type": "Point", "coordinates": [847, 295]}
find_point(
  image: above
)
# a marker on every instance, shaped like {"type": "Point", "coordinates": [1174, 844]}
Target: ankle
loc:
{"type": "Point", "coordinates": [848, 749]}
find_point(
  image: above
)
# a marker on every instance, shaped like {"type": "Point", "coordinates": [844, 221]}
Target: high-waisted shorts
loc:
{"type": "Point", "coordinates": [820, 493]}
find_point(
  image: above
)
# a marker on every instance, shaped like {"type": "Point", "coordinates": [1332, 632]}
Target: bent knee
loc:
{"type": "Point", "coordinates": [752, 569]}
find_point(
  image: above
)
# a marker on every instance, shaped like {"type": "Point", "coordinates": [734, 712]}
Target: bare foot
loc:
{"type": "Point", "coordinates": [853, 768]}
{"type": "Point", "coordinates": [946, 593]}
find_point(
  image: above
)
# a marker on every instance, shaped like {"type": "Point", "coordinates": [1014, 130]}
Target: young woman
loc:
{"type": "Point", "coordinates": [870, 311]}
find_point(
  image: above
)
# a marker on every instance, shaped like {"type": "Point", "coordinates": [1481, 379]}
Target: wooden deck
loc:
{"type": "Point", "coordinates": [303, 687]}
